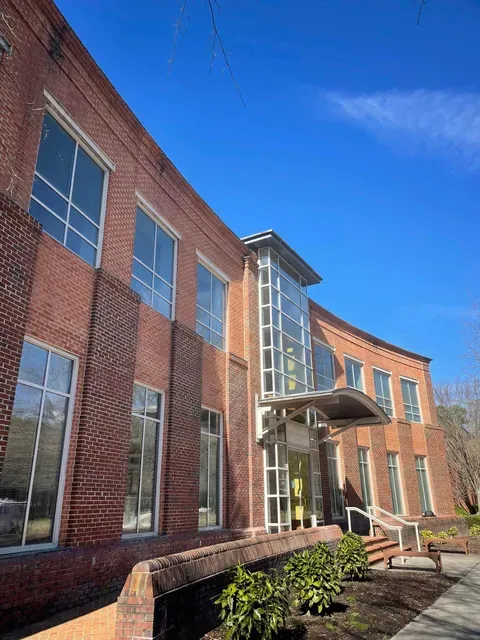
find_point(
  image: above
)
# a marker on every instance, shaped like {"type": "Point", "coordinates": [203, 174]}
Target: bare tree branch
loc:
{"type": "Point", "coordinates": [420, 9]}
{"type": "Point", "coordinates": [217, 39]}
{"type": "Point", "coordinates": [177, 30]}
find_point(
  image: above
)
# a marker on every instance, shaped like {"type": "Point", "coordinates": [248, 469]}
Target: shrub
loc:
{"type": "Point", "coordinates": [473, 520]}
{"type": "Point", "coordinates": [254, 605]}
{"type": "Point", "coordinates": [452, 532]}
{"type": "Point", "coordinates": [460, 511]}
{"type": "Point", "coordinates": [427, 533]}
{"type": "Point", "coordinates": [443, 535]}
{"type": "Point", "coordinates": [351, 557]}
{"type": "Point", "coordinates": [313, 577]}
{"type": "Point", "coordinates": [474, 531]}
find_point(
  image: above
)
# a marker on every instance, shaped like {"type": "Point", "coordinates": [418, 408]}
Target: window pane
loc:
{"type": "Point", "coordinates": [33, 363]}
{"type": "Point", "coordinates": [142, 273]}
{"type": "Point", "coordinates": [83, 226]}
{"type": "Point", "coordinates": [51, 225]}
{"type": "Point", "coordinates": [218, 300]}
{"type": "Point", "coordinates": [282, 483]}
{"type": "Point", "coordinates": [130, 517]}
{"type": "Point", "coordinates": [163, 289]}
{"type": "Point", "coordinates": [214, 493]}
{"type": "Point", "coordinates": [59, 373]}
{"type": "Point", "coordinates": [55, 155]}
{"type": "Point", "coordinates": [14, 480]}
{"type": "Point", "coordinates": [153, 404]}
{"type": "Point", "coordinates": [218, 326]}
{"type": "Point", "coordinates": [49, 197]}
{"type": "Point", "coordinates": [291, 309]}
{"type": "Point", "coordinates": [272, 482]}
{"type": "Point", "coordinates": [272, 510]}
{"type": "Point", "coordinates": [292, 328]}
{"type": "Point", "coordinates": [203, 482]}
{"type": "Point", "coordinates": [47, 469]}
{"type": "Point", "coordinates": [284, 510]}
{"type": "Point", "coordinates": [203, 287]}
{"type": "Point", "coordinates": [203, 331]}
{"type": "Point", "coordinates": [270, 455]}
{"type": "Point", "coordinates": [81, 247]}
{"type": "Point", "coordinates": [161, 305]}
{"type": "Point", "coordinates": [293, 349]}
{"type": "Point", "coordinates": [214, 423]}
{"type": "Point", "coordinates": [148, 476]}
{"type": "Point", "coordinates": [144, 292]}
{"type": "Point", "coordinates": [88, 186]}
{"type": "Point", "coordinates": [217, 340]}
{"type": "Point", "coordinates": [144, 238]}
{"type": "Point", "coordinates": [164, 252]}
{"type": "Point", "coordinates": [138, 403]}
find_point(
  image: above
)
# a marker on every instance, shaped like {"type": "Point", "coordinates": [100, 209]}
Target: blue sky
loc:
{"type": "Point", "coordinates": [360, 142]}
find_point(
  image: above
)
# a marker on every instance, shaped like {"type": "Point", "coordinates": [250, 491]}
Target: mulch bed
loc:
{"type": "Point", "coordinates": [375, 609]}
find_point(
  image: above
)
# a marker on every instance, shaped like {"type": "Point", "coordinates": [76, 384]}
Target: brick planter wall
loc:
{"type": "Point", "coordinates": [171, 598]}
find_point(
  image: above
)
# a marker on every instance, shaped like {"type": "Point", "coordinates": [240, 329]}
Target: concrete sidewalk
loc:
{"type": "Point", "coordinates": [456, 614]}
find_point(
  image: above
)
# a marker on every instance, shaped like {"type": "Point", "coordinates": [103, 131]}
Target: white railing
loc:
{"type": "Point", "coordinates": [404, 522]}
{"type": "Point", "coordinates": [373, 519]}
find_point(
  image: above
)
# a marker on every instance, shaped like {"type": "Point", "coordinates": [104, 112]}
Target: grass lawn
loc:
{"type": "Point", "coordinates": [375, 609]}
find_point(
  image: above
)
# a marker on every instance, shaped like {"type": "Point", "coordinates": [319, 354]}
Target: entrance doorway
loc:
{"type": "Point", "coordinates": [300, 488]}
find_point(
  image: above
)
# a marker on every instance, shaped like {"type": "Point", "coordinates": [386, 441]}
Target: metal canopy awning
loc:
{"type": "Point", "coordinates": [338, 408]}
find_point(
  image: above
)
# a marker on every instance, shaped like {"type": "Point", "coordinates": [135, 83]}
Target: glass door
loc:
{"type": "Point", "coordinates": [300, 488]}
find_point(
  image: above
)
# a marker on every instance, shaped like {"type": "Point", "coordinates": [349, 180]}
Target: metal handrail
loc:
{"type": "Point", "coordinates": [404, 522]}
{"type": "Point", "coordinates": [373, 518]}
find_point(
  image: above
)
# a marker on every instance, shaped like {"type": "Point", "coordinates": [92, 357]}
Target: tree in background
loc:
{"type": "Point", "coordinates": [458, 406]}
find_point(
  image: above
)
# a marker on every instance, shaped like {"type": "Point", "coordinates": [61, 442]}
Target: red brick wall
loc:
{"type": "Point", "coordinates": [99, 480]}
{"type": "Point", "coordinates": [19, 238]}
{"type": "Point", "coordinates": [402, 437]}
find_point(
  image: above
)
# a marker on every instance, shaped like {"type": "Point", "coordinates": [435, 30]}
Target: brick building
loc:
{"type": "Point", "coordinates": [164, 384]}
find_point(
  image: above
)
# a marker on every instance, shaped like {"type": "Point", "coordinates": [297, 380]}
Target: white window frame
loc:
{"type": "Point", "coordinates": [336, 446]}
{"type": "Point", "coordinates": [427, 474]}
{"type": "Point", "coordinates": [362, 374]}
{"type": "Point", "coordinates": [330, 348]}
{"type": "Point", "coordinates": [65, 449]}
{"type": "Point", "coordinates": [158, 470]}
{"type": "Point", "coordinates": [218, 273]}
{"type": "Point", "coordinates": [416, 382]}
{"type": "Point", "coordinates": [66, 122]}
{"type": "Point", "coordinates": [392, 400]}
{"type": "Point", "coordinates": [220, 472]}
{"type": "Point", "coordinates": [150, 211]}
{"type": "Point", "coordinates": [400, 487]}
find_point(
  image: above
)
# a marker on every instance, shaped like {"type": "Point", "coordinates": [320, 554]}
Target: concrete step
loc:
{"type": "Point", "coordinates": [380, 546]}
{"type": "Point", "coordinates": [370, 540]}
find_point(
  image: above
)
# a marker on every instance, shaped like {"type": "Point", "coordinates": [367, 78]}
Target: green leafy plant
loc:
{"type": "Point", "coordinates": [473, 520]}
{"type": "Point", "coordinates": [427, 533]}
{"type": "Point", "coordinates": [313, 577]}
{"type": "Point", "coordinates": [353, 620]}
{"type": "Point", "coordinates": [351, 557]}
{"type": "Point", "coordinates": [253, 606]}
{"type": "Point", "coordinates": [475, 531]}
{"type": "Point", "coordinates": [452, 532]}
{"type": "Point", "coordinates": [443, 535]}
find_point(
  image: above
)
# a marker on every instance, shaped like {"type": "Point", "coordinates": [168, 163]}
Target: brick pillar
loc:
{"type": "Point", "coordinates": [440, 484]}
{"type": "Point", "coordinates": [430, 397]}
{"type": "Point", "coordinates": [236, 435]}
{"type": "Point", "coordinates": [408, 473]}
{"type": "Point", "coordinates": [19, 239]}
{"type": "Point", "coordinates": [378, 448]}
{"type": "Point", "coordinates": [256, 497]}
{"type": "Point", "coordinates": [182, 456]}
{"type": "Point", "coordinates": [349, 452]}
{"type": "Point", "coordinates": [99, 480]}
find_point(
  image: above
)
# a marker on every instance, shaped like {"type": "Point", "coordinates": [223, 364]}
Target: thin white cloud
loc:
{"type": "Point", "coordinates": [445, 122]}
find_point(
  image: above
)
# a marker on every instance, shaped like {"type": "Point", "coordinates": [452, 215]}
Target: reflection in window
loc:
{"type": "Point", "coordinates": [383, 392]}
{"type": "Point", "coordinates": [423, 483]}
{"type": "Point", "coordinates": [364, 467]}
{"type": "Point", "coordinates": [336, 493]}
{"type": "Point", "coordinates": [67, 191]}
{"type": "Point", "coordinates": [141, 500]}
{"type": "Point", "coordinates": [410, 400]}
{"type": "Point", "coordinates": [210, 469]}
{"type": "Point", "coordinates": [353, 371]}
{"type": "Point", "coordinates": [30, 476]}
{"type": "Point", "coordinates": [153, 264]}
{"type": "Point", "coordinates": [324, 368]}
{"type": "Point", "coordinates": [395, 484]}
{"type": "Point", "coordinates": [210, 307]}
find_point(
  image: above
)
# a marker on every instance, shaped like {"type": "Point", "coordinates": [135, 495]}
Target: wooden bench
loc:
{"type": "Point", "coordinates": [463, 542]}
{"type": "Point", "coordinates": [435, 556]}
